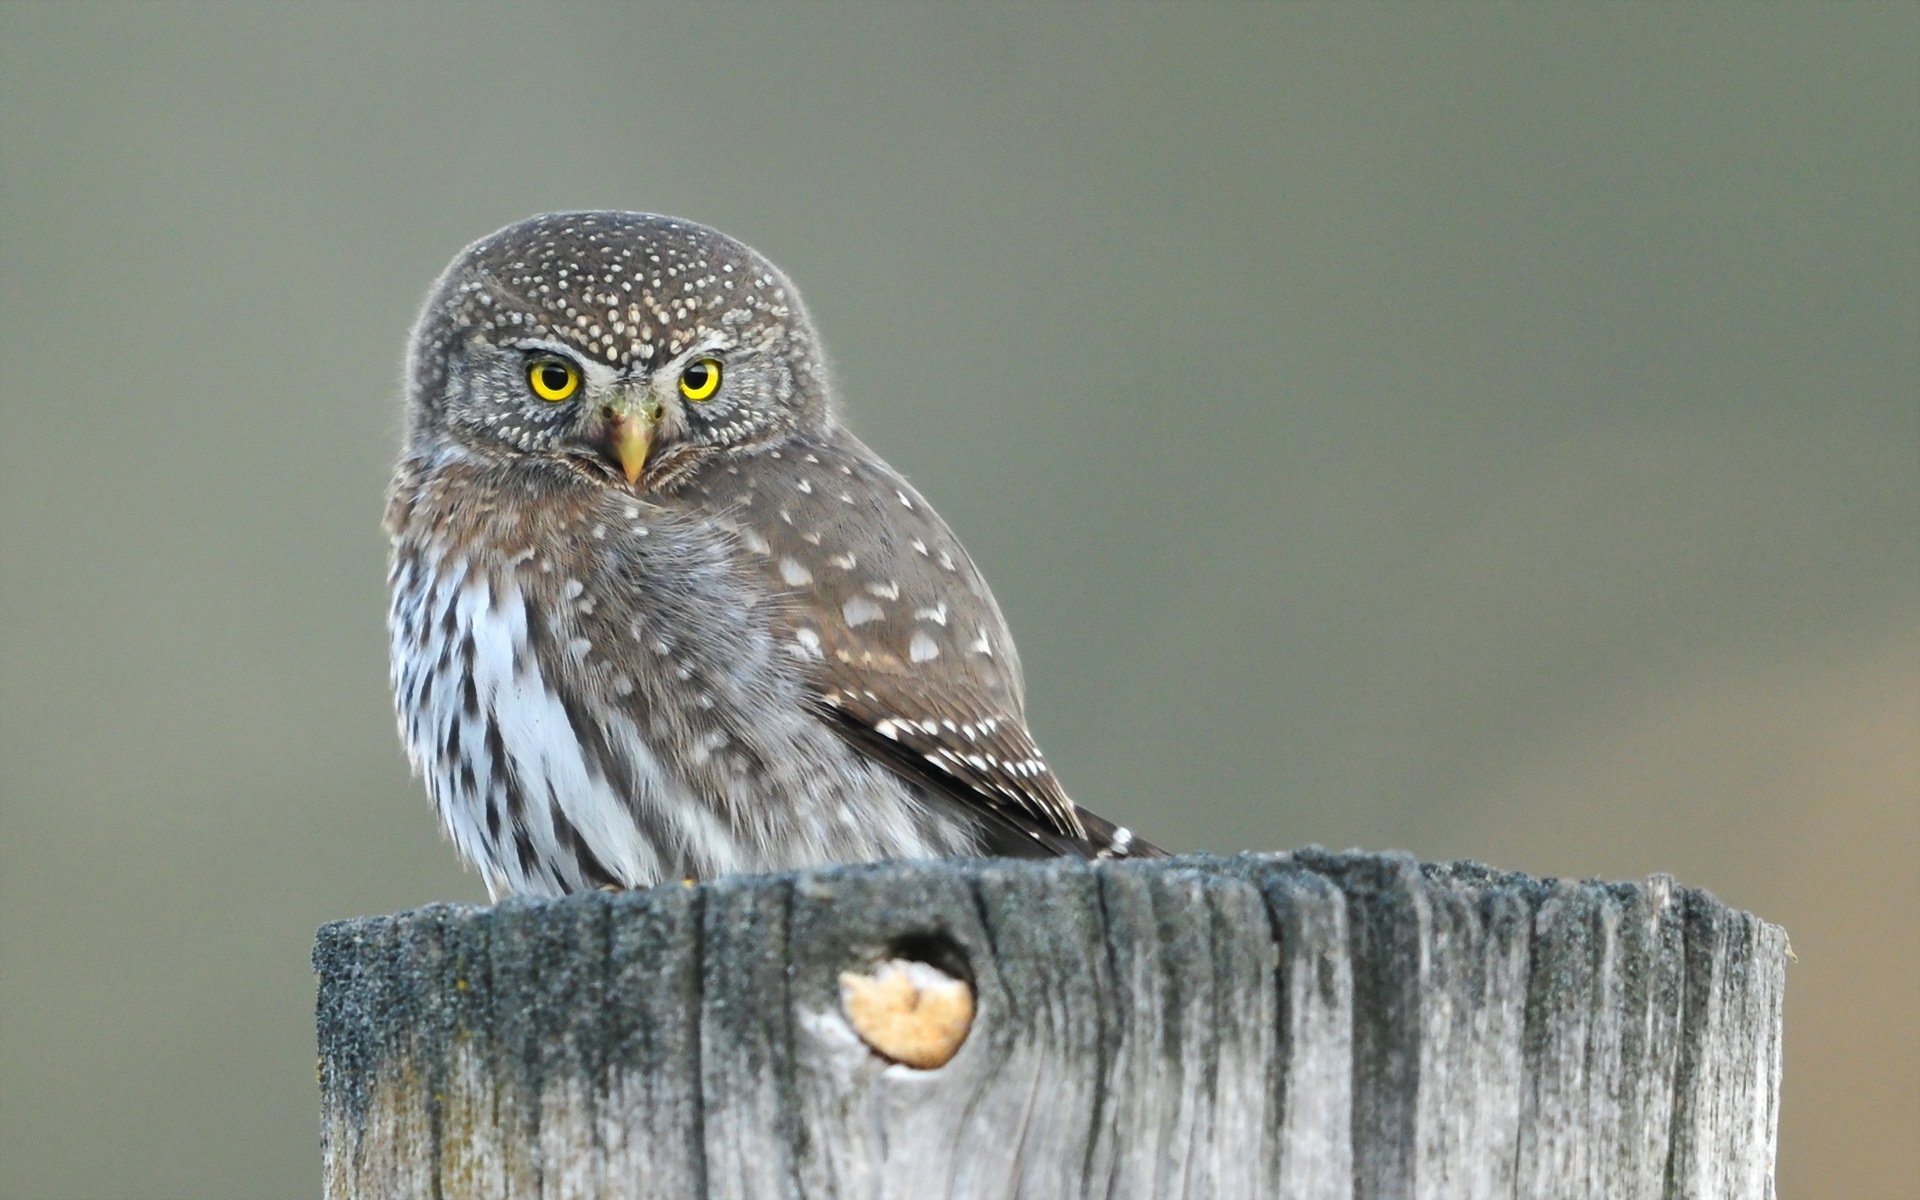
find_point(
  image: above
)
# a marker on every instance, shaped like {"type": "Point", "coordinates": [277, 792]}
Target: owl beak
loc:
{"type": "Point", "coordinates": [630, 427]}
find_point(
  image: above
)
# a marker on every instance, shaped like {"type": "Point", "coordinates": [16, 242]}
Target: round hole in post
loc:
{"type": "Point", "coordinates": [915, 1006]}
{"type": "Point", "coordinates": [938, 950]}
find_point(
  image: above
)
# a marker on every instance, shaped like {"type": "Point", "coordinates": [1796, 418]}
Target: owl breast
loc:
{"type": "Point", "coordinates": [540, 792]}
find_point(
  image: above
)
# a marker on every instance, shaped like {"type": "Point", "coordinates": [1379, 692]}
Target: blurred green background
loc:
{"type": "Point", "coordinates": [1485, 431]}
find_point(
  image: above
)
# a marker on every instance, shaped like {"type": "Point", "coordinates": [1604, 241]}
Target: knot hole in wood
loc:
{"type": "Point", "coordinates": [915, 1006]}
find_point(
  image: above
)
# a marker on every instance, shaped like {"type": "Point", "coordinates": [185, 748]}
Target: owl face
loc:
{"type": "Point", "coordinates": [627, 345]}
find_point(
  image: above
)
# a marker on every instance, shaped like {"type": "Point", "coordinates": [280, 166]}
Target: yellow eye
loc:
{"type": "Point", "coordinates": [701, 379]}
{"type": "Point", "coordinates": [553, 379]}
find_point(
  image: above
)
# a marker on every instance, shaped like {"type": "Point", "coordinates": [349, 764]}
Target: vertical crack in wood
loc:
{"type": "Point", "coordinates": [1312, 1143]}
{"type": "Point", "coordinates": [1693, 1016]}
{"type": "Point", "coordinates": [1386, 933]}
{"type": "Point", "coordinates": [1285, 1048]}
{"type": "Point", "coordinates": [696, 1042]}
{"type": "Point", "coordinates": [428, 972]}
{"type": "Point", "coordinates": [793, 1130]}
{"type": "Point", "coordinates": [1028, 1130]}
{"type": "Point", "coordinates": [1314, 1032]}
{"type": "Point", "coordinates": [1095, 1167]}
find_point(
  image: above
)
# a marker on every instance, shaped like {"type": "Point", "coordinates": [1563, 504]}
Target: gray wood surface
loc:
{"type": "Point", "coordinates": [1304, 1025]}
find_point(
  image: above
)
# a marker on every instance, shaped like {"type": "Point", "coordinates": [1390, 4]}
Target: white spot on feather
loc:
{"type": "Point", "coordinates": [859, 610]}
{"type": "Point", "coordinates": [922, 648]}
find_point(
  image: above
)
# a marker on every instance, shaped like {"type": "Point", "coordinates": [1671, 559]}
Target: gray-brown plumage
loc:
{"type": "Point", "coordinates": [655, 614]}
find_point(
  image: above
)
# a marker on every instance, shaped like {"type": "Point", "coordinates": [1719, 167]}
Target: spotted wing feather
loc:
{"type": "Point", "coordinates": [906, 650]}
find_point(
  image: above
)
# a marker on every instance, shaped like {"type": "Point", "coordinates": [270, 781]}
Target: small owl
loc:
{"type": "Point", "coordinates": [655, 614]}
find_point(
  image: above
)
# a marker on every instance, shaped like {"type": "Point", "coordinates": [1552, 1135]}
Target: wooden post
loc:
{"type": "Point", "coordinates": [1303, 1025]}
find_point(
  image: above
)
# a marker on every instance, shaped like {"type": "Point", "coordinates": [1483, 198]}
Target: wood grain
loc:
{"type": "Point", "coordinates": [1303, 1025]}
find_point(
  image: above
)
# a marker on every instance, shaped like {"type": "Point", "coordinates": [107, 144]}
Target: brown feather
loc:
{"type": "Point", "coordinates": [905, 648]}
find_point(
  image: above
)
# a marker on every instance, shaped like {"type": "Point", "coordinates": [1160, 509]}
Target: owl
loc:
{"type": "Point", "coordinates": [656, 614]}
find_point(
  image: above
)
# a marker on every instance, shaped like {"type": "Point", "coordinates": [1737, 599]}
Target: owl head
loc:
{"type": "Point", "coordinates": [627, 345]}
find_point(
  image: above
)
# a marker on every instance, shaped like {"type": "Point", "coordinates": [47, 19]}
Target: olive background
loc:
{"type": "Point", "coordinates": [1488, 431]}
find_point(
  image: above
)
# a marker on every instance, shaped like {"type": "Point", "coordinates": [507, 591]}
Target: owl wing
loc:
{"type": "Point", "coordinates": [904, 648]}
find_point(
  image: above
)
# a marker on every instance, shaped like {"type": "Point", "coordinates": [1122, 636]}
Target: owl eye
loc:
{"type": "Point", "coordinates": [553, 379]}
{"type": "Point", "coordinates": [701, 379]}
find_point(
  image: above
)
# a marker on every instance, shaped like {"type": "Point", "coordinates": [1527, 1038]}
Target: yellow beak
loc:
{"type": "Point", "coordinates": [630, 426]}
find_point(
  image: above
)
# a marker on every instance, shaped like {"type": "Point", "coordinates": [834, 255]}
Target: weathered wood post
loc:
{"type": "Point", "coordinates": [1304, 1025]}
